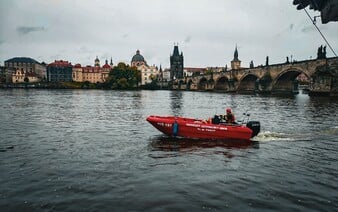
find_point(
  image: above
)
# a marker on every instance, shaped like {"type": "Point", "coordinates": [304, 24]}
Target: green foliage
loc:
{"type": "Point", "coordinates": [72, 85]}
{"type": "Point", "coordinates": [209, 72]}
{"type": "Point", "coordinates": [123, 76]}
{"type": "Point", "coordinates": [151, 86]}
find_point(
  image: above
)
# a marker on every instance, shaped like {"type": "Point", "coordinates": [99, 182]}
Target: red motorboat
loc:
{"type": "Point", "coordinates": [203, 129]}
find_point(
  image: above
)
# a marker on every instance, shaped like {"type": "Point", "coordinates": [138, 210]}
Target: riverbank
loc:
{"type": "Point", "coordinates": [76, 85]}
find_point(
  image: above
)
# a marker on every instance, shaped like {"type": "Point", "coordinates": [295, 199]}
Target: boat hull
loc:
{"type": "Point", "coordinates": [200, 129]}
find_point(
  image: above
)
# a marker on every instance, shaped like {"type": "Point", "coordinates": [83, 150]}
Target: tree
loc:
{"type": "Point", "coordinates": [123, 76]}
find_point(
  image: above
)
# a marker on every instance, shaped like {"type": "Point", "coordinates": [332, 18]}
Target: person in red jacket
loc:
{"type": "Point", "coordinates": [230, 117]}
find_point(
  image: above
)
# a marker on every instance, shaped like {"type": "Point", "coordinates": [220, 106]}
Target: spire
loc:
{"type": "Point", "coordinates": [236, 54]}
{"type": "Point", "coordinates": [111, 61]}
{"type": "Point", "coordinates": [176, 52]}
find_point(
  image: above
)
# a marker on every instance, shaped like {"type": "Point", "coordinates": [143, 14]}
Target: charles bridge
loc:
{"type": "Point", "coordinates": [276, 78]}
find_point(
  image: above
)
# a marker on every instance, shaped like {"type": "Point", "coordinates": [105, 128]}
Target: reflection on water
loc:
{"type": "Point", "coordinates": [176, 102]}
{"type": "Point", "coordinates": [166, 143]}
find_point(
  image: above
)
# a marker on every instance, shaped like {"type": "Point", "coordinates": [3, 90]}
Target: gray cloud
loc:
{"type": "Point", "coordinates": [25, 30]}
{"type": "Point", "coordinates": [307, 29]}
{"type": "Point", "coordinates": [187, 39]}
{"type": "Point", "coordinates": [79, 30]}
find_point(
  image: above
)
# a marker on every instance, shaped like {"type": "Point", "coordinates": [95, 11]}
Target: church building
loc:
{"type": "Point", "coordinates": [148, 73]}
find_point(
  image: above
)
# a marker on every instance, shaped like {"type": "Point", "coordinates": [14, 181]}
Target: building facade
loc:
{"type": "Point", "coordinates": [2, 74]}
{"type": "Point", "coordinates": [188, 72]}
{"type": "Point", "coordinates": [59, 71]}
{"type": "Point", "coordinates": [148, 74]}
{"type": "Point", "coordinates": [20, 76]}
{"type": "Point", "coordinates": [92, 74]}
{"type": "Point", "coordinates": [176, 64]}
{"type": "Point", "coordinates": [24, 65]}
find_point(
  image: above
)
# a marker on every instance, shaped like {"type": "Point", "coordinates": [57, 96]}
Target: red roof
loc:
{"type": "Point", "coordinates": [77, 66]}
{"type": "Point", "coordinates": [61, 63]}
{"type": "Point", "coordinates": [195, 69]}
{"type": "Point", "coordinates": [106, 66]}
{"type": "Point", "coordinates": [91, 69]}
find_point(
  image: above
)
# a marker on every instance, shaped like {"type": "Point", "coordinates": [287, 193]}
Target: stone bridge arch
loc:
{"type": "Point", "coordinates": [285, 81]}
{"type": "Point", "coordinates": [222, 83]}
{"type": "Point", "coordinates": [202, 84]}
{"type": "Point", "coordinates": [248, 83]}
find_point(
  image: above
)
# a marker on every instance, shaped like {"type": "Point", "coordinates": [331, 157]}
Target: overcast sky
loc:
{"type": "Point", "coordinates": [206, 31]}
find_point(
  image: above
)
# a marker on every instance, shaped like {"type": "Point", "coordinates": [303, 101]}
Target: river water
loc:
{"type": "Point", "coordinates": [92, 150]}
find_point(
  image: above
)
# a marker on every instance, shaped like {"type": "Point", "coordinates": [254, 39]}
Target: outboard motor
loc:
{"type": "Point", "coordinates": [216, 120]}
{"type": "Point", "coordinates": [255, 126]}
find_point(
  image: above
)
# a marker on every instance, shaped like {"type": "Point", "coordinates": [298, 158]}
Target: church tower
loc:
{"type": "Point", "coordinates": [176, 64]}
{"type": "Point", "coordinates": [97, 62]}
{"type": "Point", "coordinates": [111, 62]}
{"type": "Point", "coordinates": [235, 63]}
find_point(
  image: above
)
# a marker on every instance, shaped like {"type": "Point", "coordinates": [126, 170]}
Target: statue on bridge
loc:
{"type": "Point", "coordinates": [267, 61]}
{"type": "Point", "coordinates": [321, 53]}
{"type": "Point", "coordinates": [252, 64]}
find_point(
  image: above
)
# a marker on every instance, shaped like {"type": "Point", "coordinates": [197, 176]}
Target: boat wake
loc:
{"type": "Point", "coordinates": [332, 131]}
{"type": "Point", "coordinates": [273, 136]}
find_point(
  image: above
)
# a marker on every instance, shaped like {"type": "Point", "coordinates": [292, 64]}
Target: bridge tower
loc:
{"type": "Point", "coordinates": [235, 63]}
{"type": "Point", "coordinates": [176, 64]}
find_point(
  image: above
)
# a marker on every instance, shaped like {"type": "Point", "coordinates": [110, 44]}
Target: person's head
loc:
{"type": "Point", "coordinates": [228, 110]}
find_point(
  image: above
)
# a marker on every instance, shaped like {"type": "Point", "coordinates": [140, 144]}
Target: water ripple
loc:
{"type": "Point", "coordinates": [70, 150]}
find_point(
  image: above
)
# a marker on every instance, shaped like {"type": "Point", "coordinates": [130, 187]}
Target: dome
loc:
{"type": "Point", "coordinates": [137, 57]}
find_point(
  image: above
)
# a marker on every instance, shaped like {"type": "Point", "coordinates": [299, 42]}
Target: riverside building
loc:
{"type": "Point", "coordinates": [24, 69]}
{"type": "Point", "coordinates": [92, 74]}
{"type": "Point", "coordinates": [59, 71]}
{"type": "Point", "coordinates": [148, 73]}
